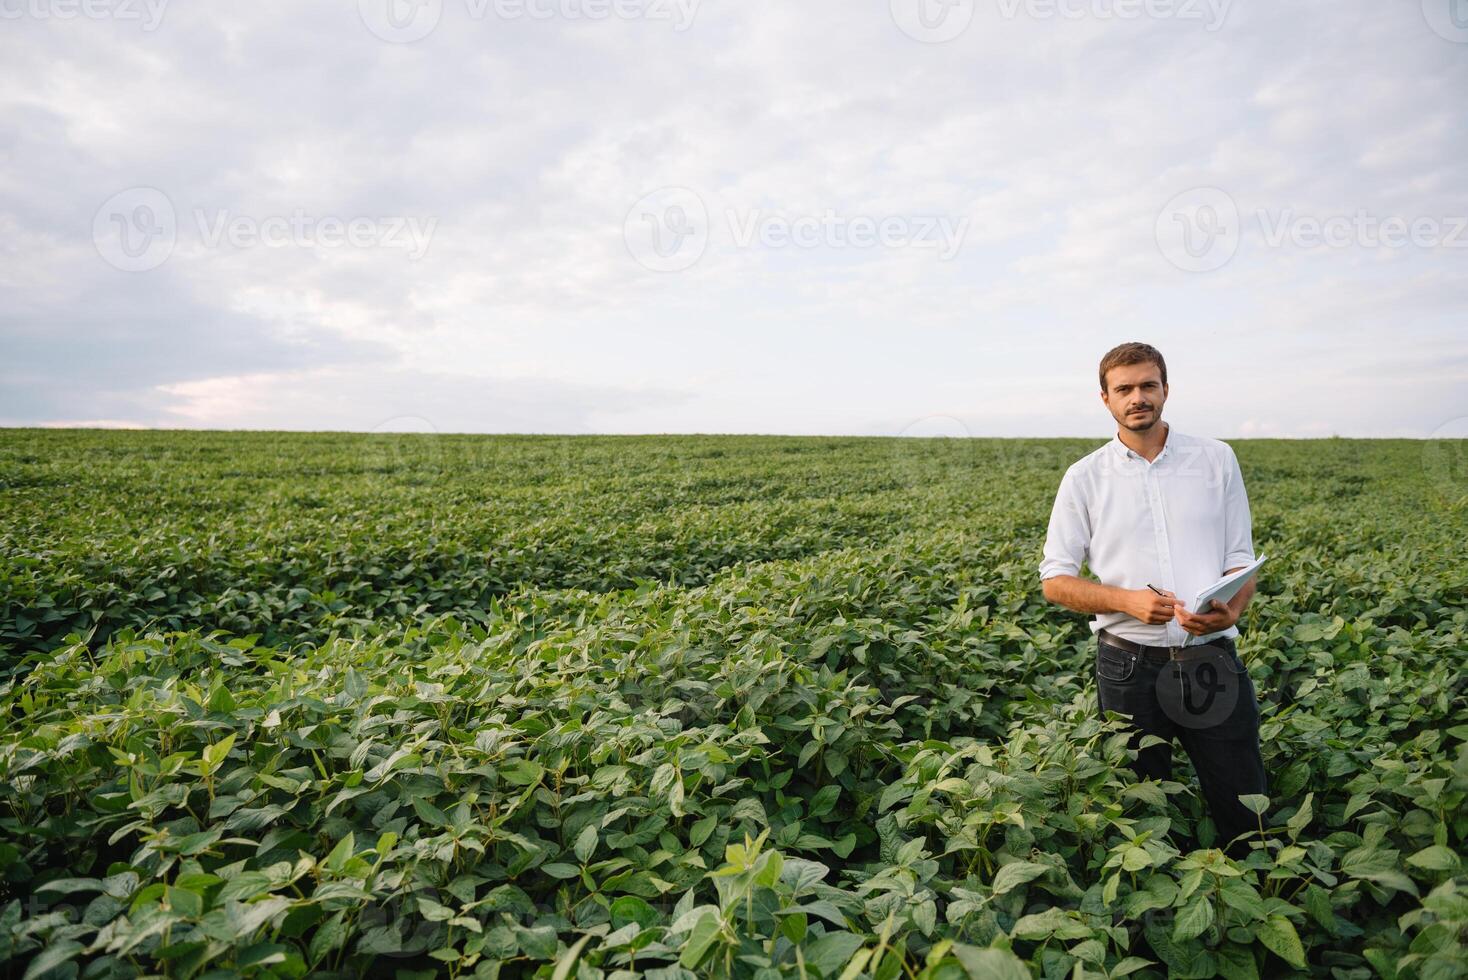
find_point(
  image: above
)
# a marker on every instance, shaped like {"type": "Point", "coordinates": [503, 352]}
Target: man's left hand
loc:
{"type": "Point", "coordinates": [1220, 617]}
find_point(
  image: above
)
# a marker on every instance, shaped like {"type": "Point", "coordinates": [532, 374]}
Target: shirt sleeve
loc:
{"type": "Point", "coordinates": [1068, 541]}
{"type": "Point", "coordinates": [1238, 531]}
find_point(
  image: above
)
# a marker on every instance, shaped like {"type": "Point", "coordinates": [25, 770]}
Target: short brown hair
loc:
{"type": "Point", "coordinates": [1132, 353]}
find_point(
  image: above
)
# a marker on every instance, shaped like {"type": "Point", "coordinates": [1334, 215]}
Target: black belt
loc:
{"type": "Point", "coordinates": [1163, 652]}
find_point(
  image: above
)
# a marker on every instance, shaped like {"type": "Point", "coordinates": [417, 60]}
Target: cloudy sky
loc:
{"type": "Point", "coordinates": [823, 216]}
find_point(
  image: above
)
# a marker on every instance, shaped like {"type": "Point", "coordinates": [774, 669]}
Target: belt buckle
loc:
{"type": "Point", "coordinates": [1172, 652]}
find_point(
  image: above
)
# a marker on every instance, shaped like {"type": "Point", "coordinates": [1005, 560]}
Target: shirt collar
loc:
{"type": "Point", "coordinates": [1123, 451]}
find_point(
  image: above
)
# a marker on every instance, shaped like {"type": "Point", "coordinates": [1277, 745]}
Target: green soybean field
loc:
{"type": "Point", "coordinates": [339, 705]}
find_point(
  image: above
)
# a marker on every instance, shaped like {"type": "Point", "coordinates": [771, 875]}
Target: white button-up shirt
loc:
{"type": "Point", "coordinates": [1178, 522]}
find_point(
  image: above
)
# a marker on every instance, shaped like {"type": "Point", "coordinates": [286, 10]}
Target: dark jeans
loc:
{"type": "Point", "coordinates": [1208, 703]}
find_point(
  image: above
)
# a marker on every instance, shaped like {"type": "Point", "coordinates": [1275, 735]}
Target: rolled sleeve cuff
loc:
{"type": "Point", "coordinates": [1238, 559]}
{"type": "Point", "coordinates": [1051, 567]}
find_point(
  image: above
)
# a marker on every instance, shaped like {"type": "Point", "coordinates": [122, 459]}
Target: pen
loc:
{"type": "Point", "coordinates": [1154, 588]}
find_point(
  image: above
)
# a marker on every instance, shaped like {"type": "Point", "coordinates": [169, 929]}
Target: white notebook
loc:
{"type": "Point", "coordinates": [1223, 590]}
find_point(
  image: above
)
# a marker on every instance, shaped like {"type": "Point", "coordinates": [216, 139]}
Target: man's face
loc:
{"type": "Point", "coordinates": [1135, 395]}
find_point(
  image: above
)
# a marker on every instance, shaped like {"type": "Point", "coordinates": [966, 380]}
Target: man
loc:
{"type": "Point", "coordinates": [1156, 507]}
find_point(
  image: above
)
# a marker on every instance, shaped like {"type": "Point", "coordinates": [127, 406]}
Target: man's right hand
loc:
{"type": "Point", "coordinates": [1149, 607]}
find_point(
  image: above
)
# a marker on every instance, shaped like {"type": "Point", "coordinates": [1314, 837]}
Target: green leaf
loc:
{"type": "Point", "coordinates": [824, 800]}
{"type": "Point", "coordinates": [213, 755]}
{"type": "Point", "coordinates": [355, 685]}
{"type": "Point", "coordinates": [1193, 919]}
{"type": "Point", "coordinates": [701, 830]}
{"type": "Point", "coordinates": [429, 813]}
{"type": "Point", "coordinates": [586, 843]}
{"type": "Point", "coordinates": [700, 938]}
{"type": "Point", "coordinates": [1241, 896]}
{"type": "Point", "coordinates": [568, 960]}
{"type": "Point", "coordinates": [69, 886]}
{"type": "Point", "coordinates": [769, 869]}
{"type": "Point", "coordinates": [1147, 791]}
{"type": "Point", "coordinates": [1435, 858]}
{"type": "Point", "coordinates": [1278, 934]}
{"type": "Point", "coordinates": [1016, 873]}
{"type": "Point", "coordinates": [1301, 818]}
{"type": "Point", "coordinates": [630, 908]}
{"type": "Point", "coordinates": [1256, 802]}
{"type": "Point", "coordinates": [52, 956]}
{"type": "Point", "coordinates": [538, 942]}
{"type": "Point", "coordinates": [342, 853]}
{"type": "Point", "coordinates": [1317, 903]}
{"type": "Point", "coordinates": [1135, 858]}
{"type": "Point", "coordinates": [991, 964]}
{"type": "Point", "coordinates": [1236, 962]}
{"type": "Point", "coordinates": [1051, 922]}
{"type": "Point", "coordinates": [328, 936]}
{"type": "Point", "coordinates": [831, 952]}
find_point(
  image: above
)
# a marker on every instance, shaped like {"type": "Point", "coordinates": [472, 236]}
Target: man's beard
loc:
{"type": "Point", "coordinates": [1142, 423]}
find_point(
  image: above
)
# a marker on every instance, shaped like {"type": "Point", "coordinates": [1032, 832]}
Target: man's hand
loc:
{"type": "Point", "coordinates": [1150, 607]}
{"type": "Point", "coordinates": [1220, 617]}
